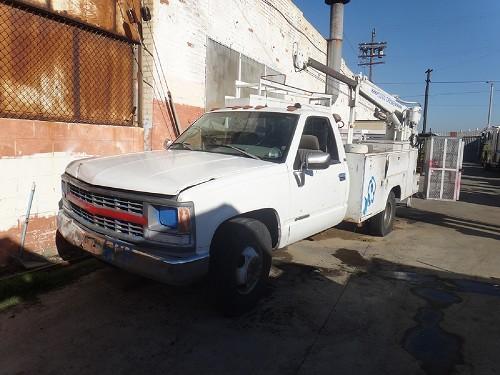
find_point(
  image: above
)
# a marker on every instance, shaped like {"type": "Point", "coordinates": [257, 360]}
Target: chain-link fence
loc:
{"type": "Point", "coordinates": [55, 70]}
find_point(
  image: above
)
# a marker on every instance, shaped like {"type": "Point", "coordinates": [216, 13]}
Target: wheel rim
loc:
{"type": "Point", "coordinates": [387, 214]}
{"type": "Point", "coordinates": [249, 270]}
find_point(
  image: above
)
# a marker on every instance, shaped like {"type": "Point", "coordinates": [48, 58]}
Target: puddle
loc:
{"type": "Point", "coordinates": [436, 297]}
{"type": "Point", "coordinates": [437, 350]}
{"type": "Point", "coordinates": [476, 287]}
{"type": "Point", "coordinates": [411, 277]}
{"type": "Point", "coordinates": [351, 258]}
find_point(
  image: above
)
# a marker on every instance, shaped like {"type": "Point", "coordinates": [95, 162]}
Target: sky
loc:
{"type": "Point", "coordinates": [458, 39]}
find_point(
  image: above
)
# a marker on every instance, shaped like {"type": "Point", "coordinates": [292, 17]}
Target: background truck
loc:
{"type": "Point", "coordinates": [490, 154]}
{"type": "Point", "coordinates": [238, 183]}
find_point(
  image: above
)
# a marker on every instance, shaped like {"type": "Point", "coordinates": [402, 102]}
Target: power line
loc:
{"type": "Point", "coordinates": [349, 43]}
{"type": "Point", "coordinates": [460, 105]}
{"type": "Point", "coordinates": [462, 82]}
{"type": "Point", "coordinates": [293, 25]}
{"type": "Point", "coordinates": [447, 94]}
{"type": "Point", "coordinates": [437, 82]}
{"type": "Point", "coordinates": [370, 51]}
{"type": "Point", "coordinates": [156, 88]}
{"type": "Point", "coordinates": [167, 96]}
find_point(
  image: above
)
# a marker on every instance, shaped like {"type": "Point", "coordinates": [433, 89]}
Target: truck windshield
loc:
{"type": "Point", "coordinates": [259, 135]}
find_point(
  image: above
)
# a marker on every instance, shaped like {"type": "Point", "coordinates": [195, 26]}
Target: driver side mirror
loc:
{"type": "Point", "coordinates": [167, 143]}
{"type": "Point", "coordinates": [316, 160]}
{"type": "Point", "coordinates": [311, 160]}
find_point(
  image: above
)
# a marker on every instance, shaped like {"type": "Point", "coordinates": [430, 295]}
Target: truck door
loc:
{"type": "Point", "coordinates": [321, 201]}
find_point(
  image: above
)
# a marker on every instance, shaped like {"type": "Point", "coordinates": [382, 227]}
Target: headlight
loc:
{"type": "Point", "coordinates": [168, 217]}
{"type": "Point", "coordinates": [178, 218]}
{"type": "Point", "coordinates": [171, 224]}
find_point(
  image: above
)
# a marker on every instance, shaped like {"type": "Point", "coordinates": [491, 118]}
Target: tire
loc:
{"type": "Point", "coordinates": [68, 251]}
{"type": "Point", "coordinates": [382, 223]}
{"type": "Point", "coordinates": [240, 261]}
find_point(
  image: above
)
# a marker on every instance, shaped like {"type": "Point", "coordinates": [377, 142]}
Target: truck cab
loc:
{"type": "Point", "coordinates": [277, 174]}
{"type": "Point", "coordinates": [238, 183]}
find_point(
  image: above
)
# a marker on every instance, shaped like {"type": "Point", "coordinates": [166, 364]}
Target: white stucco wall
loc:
{"type": "Point", "coordinates": [251, 27]}
{"type": "Point", "coordinates": [45, 170]}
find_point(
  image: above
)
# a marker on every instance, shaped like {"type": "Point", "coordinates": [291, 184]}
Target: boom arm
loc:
{"type": "Point", "coordinates": [401, 118]}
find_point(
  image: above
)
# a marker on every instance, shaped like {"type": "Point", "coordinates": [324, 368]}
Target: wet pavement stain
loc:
{"type": "Point", "coordinates": [344, 231]}
{"type": "Point", "coordinates": [351, 258]}
{"type": "Point", "coordinates": [476, 287]}
{"type": "Point", "coordinates": [437, 350]}
{"type": "Point", "coordinates": [436, 297]}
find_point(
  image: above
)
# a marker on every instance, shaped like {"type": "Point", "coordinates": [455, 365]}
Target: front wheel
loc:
{"type": "Point", "coordinates": [382, 223]}
{"type": "Point", "coordinates": [240, 262]}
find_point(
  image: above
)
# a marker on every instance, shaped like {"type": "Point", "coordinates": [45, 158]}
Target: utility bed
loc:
{"type": "Point", "coordinates": [374, 173]}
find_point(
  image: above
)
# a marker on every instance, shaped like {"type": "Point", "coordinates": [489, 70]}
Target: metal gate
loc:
{"type": "Point", "coordinates": [443, 167]}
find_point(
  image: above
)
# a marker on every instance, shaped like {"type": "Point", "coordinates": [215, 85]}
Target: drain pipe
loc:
{"type": "Point", "coordinates": [334, 51]}
{"type": "Point", "coordinates": [26, 221]}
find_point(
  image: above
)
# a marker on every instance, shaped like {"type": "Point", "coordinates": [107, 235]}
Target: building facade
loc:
{"type": "Point", "coordinates": [87, 78]}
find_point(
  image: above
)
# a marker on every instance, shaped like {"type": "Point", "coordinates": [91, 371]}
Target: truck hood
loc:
{"type": "Point", "coordinates": [161, 172]}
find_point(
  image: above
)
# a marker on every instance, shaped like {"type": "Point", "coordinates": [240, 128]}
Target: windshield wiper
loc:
{"type": "Point", "coordinates": [185, 145]}
{"type": "Point", "coordinates": [241, 151]}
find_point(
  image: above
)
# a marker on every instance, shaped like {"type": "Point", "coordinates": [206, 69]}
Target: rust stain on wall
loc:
{"type": "Point", "coordinates": [53, 71]}
{"type": "Point", "coordinates": [109, 15]}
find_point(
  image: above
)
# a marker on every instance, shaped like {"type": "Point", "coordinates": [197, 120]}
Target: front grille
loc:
{"type": "Point", "coordinates": [115, 225]}
{"type": "Point", "coordinates": [121, 204]}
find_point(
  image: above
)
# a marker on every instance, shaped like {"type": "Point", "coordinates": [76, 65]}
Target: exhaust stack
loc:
{"type": "Point", "coordinates": [334, 54]}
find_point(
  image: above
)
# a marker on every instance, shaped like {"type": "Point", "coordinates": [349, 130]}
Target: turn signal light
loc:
{"type": "Point", "coordinates": [184, 219]}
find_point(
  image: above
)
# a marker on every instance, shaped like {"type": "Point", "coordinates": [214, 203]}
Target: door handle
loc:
{"type": "Point", "coordinates": [342, 176]}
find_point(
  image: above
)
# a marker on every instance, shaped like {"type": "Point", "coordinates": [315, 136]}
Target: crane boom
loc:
{"type": "Point", "coordinates": [401, 118]}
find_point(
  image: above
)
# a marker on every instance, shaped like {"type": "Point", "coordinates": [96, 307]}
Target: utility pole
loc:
{"type": "Point", "coordinates": [490, 108]}
{"type": "Point", "coordinates": [426, 105]}
{"type": "Point", "coordinates": [370, 72]}
{"type": "Point", "coordinates": [369, 51]}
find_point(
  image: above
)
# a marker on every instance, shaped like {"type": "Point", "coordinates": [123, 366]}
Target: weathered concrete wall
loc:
{"type": "Point", "coordinates": [38, 151]}
{"type": "Point", "coordinates": [264, 33]}
{"type": "Point", "coordinates": [33, 86]}
{"type": "Point", "coordinates": [248, 26]}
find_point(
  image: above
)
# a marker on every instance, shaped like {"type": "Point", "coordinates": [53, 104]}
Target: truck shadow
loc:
{"type": "Point", "coordinates": [466, 226]}
{"type": "Point", "coordinates": [480, 186]}
{"type": "Point", "coordinates": [311, 320]}
{"type": "Point", "coordinates": [12, 259]}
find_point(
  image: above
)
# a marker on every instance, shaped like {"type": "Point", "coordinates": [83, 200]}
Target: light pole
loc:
{"type": "Point", "coordinates": [490, 107]}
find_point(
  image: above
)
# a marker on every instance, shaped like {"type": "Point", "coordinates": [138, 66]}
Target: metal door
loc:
{"type": "Point", "coordinates": [443, 168]}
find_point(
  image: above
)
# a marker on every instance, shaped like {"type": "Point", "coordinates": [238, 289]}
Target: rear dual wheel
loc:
{"type": "Point", "coordinates": [382, 223]}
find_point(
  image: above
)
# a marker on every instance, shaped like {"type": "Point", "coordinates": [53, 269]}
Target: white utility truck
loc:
{"type": "Point", "coordinates": [490, 155]}
{"type": "Point", "coordinates": [238, 183]}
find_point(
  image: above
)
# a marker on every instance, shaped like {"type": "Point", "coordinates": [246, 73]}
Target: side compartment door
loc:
{"type": "Point", "coordinates": [319, 199]}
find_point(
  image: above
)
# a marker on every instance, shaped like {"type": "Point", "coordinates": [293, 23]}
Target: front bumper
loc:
{"type": "Point", "coordinates": [168, 269]}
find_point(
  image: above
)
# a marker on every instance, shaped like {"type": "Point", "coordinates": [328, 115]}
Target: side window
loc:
{"type": "Point", "coordinates": [318, 135]}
